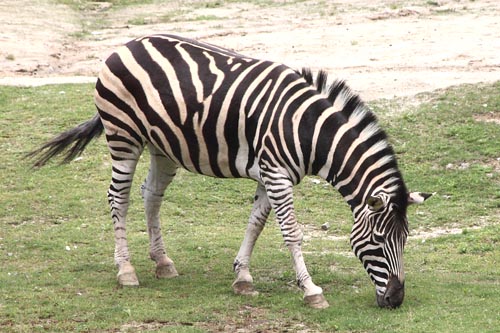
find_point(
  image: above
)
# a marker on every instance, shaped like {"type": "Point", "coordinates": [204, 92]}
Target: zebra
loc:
{"type": "Point", "coordinates": [215, 112]}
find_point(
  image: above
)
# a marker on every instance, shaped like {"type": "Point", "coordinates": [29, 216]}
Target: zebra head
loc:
{"type": "Point", "coordinates": [378, 238]}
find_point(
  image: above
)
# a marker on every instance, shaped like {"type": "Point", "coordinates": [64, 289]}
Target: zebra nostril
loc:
{"type": "Point", "coordinates": [390, 303]}
{"type": "Point", "coordinates": [393, 296]}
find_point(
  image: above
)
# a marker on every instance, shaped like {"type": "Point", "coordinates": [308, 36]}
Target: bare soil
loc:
{"type": "Point", "coordinates": [382, 48]}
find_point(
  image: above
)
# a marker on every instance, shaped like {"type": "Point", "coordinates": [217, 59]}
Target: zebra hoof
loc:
{"type": "Point", "coordinates": [127, 277]}
{"type": "Point", "coordinates": [166, 271]}
{"type": "Point", "coordinates": [244, 288]}
{"type": "Point", "coordinates": [316, 301]}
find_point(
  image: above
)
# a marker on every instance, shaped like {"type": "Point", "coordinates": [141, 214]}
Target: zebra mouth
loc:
{"type": "Point", "coordinates": [393, 296]}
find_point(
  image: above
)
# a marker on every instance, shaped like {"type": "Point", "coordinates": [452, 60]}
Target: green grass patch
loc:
{"type": "Point", "coordinates": [56, 239]}
{"type": "Point", "coordinates": [442, 148]}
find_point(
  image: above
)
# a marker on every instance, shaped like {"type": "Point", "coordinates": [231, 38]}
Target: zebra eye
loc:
{"type": "Point", "coordinates": [379, 238]}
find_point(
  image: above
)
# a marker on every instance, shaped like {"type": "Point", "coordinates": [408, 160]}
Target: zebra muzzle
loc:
{"type": "Point", "coordinates": [394, 294]}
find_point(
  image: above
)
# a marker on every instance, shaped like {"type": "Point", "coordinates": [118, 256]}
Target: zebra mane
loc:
{"type": "Point", "coordinates": [350, 101]}
{"type": "Point", "coordinates": [334, 90]}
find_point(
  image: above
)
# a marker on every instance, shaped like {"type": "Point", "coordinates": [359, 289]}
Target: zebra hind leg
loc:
{"type": "Point", "coordinates": [118, 197]}
{"type": "Point", "coordinates": [243, 285]}
{"type": "Point", "coordinates": [161, 173]}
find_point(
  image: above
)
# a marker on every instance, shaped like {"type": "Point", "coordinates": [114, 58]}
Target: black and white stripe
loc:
{"type": "Point", "coordinates": [215, 112]}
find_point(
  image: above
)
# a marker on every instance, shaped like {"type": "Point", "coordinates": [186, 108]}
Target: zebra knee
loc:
{"type": "Point", "coordinates": [111, 199]}
{"type": "Point", "coordinates": [293, 240]}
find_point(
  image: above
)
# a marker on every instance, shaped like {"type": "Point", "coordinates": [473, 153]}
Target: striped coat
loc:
{"type": "Point", "coordinates": [215, 112]}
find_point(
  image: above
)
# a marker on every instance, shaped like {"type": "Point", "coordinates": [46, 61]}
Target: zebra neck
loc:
{"type": "Point", "coordinates": [341, 141]}
{"type": "Point", "coordinates": [355, 157]}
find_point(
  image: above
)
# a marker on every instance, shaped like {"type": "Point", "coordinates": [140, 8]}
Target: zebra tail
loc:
{"type": "Point", "coordinates": [78, 137]}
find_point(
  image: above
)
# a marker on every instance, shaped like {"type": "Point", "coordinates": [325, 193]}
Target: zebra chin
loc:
{"type": "Point", "coordinates": [394, 294]}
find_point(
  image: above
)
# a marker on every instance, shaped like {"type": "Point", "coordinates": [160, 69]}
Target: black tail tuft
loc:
{"type": "Point", "coordinates": [78, 137]}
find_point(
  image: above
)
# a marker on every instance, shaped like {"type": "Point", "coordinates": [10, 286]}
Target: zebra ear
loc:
{"type": "Point", "coordinates": [418, 197]}
{"type": "Point", "coordinates": [374, 203]}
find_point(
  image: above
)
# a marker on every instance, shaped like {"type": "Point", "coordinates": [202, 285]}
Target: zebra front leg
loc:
{"type": "Point", "coordinates": [161, 173]}
{"type": "Point", "coordinates": [243, 285]}
{"type": "Point", "coordinates": [280, 192]}
{"type": "Point", "coordinates": [313, 294]}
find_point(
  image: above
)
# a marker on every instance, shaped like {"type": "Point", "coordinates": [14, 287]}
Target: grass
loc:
{"type": "Point", "coordinates": [56, 239]}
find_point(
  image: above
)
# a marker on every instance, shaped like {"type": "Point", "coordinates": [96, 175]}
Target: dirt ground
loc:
{"type": "Point", "coordinates": [382, 48]}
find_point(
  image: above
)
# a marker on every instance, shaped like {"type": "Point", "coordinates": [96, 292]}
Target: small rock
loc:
{"type": "Point", "coordinates": [325, 226]}
{"type": "Point", "coordinates": [464, 166]}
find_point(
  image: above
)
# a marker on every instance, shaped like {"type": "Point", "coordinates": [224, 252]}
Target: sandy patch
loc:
{"type": "Point", "coordinates": [311, 232]}
{"type": "Point", "coordinates": [383, 48]}
{"type": "Point", "coordinates": [490, 117]}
